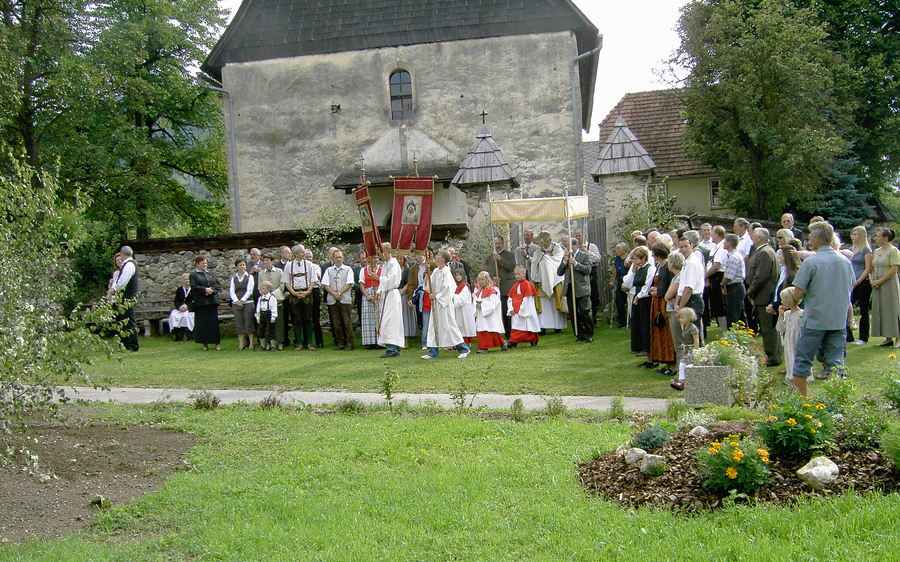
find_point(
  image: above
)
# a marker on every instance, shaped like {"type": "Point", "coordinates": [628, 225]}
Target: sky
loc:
{"type": "Point", "coordinates": [637, 36]}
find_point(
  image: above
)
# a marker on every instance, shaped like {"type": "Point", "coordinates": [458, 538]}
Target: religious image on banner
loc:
{"type": "Point", "coordinates": [412, 213]}
{"type": "Point", "coordinates": [412, 210]}
{"type": "Point", "coordinates": [365, 220]}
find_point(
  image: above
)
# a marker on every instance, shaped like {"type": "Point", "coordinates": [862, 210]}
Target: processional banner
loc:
{"type": "Point", "coordinates": [411, 219]}
{"type": "Point", "coordinates": [371, 236]}
{"type": "Point", "coordinates": [539, 209]}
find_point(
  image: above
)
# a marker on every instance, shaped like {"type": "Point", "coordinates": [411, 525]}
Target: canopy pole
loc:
{"type": "Point", "coordinates": [571, 265]}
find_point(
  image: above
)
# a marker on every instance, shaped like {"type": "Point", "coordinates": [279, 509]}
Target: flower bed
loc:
{"type": "Point", "coordinates": [681, 487]}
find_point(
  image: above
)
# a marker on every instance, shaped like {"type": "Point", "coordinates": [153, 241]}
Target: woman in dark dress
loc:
{"type": "Point", "coordinates": [206, 286]}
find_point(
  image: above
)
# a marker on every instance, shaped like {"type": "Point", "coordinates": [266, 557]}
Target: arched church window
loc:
{"type": "Point", "coordinates": [401, 95]}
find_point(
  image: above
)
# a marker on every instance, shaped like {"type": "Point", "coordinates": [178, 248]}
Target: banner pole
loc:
{"type": "Point", "coordinates": [491, 220]}
{"type": "Point", "coordinates": [571, 265]}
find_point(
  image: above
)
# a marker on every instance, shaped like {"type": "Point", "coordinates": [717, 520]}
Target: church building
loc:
{"type": "Point", "coordinates": [322, 88]}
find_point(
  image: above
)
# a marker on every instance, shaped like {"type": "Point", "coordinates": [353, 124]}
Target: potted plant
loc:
{"type": "Point", "coordinates": [725, 370]}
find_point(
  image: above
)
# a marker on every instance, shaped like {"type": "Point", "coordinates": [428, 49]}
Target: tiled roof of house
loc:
{"type": "Point", "coordinates": [485, 163]}
{"type": "Point", "coordinates": [622, 153]}
{"type": "Point", "coordinates": [655, 119]}
{"type": "Point", "coordinates": [268, 29]}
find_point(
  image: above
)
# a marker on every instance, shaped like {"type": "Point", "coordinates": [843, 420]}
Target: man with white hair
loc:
{"type": "Point", "coordinates": [299, 278]}
{"type": "Point", "coordinates": [762, 276]}
{"type": "Point", "coordinates": [127, 285]}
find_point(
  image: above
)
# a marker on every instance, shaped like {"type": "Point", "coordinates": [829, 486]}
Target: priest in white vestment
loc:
{"type": "Point", "coordinates": [442, 328]}
{"type": "Point", "coordinates": [390, 329]}
{"type": "Point", "coordinates": [548, 283]}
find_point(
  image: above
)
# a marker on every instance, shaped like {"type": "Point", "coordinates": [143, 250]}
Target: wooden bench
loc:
{"type": "Point", "coordinates": [153, 313]}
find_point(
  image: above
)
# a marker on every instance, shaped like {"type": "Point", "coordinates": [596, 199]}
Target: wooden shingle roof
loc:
{"type": "Point", "coordinates": [484, 164]}
{"type": "Point", "coordinates": [268, 29]}
{"type": "Point", "coordinates": [622, 153]}
{"type": "Point", "coordinates": [655, 119]}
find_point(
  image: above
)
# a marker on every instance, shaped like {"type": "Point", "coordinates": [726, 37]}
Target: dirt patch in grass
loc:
{"type": "Point", "coordinates": [120, 463]}
{"type": "Point", "coordinates": [681, 487]}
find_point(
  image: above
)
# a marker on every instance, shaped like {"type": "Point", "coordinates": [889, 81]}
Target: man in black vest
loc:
{"type": "Point", "coordinates": [127, 285]}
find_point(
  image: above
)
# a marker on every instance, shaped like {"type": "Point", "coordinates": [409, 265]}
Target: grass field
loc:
{"type": "Point", "coordinates": [557, 366]}
{"type": "Point", "coordinates": [274, 485]}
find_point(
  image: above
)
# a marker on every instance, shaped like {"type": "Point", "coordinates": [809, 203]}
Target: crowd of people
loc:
{"type": "Point", "coordinates": [669, 288]}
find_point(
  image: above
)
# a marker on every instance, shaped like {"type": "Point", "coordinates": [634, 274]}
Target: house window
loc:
{"type": "Point", "coordinates": [715, 201]}
{"type": "Point", "coordinates": [401, 95]}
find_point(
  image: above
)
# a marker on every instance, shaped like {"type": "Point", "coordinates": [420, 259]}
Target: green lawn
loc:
{"type": "Point", "coordinates": [558, 366]}
{"type": "Point", "coordinates": [271, 485]}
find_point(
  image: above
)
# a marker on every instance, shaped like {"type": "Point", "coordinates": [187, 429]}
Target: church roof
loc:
{"type": "Point", "coordinates": [484, 164]}
{"type": "Point", "coordinates": [655, 118]}
{"type": "Point", "coordinates": [622, 153]}
{"type": "Point", "coordinates": [268, 29]}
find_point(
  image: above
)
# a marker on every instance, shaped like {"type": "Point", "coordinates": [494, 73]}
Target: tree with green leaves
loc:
{"type": "Point", "coordinates": [45, 348]}
{"type": "Point", "coordinates": [103, 96]}
{"type": "Point", "coordinates": [760, 100]}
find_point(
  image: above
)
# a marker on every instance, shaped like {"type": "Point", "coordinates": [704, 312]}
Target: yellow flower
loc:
{"type": "Point", "coordinates": [772, 407]}
{"type": "Point", "coordinates": [820, 406]}
{"type": "Point", "coordinates": [792, 421]}
{"type": "Point", "coordinates": [734, 444]}
{"type": "Point", "coordinates": [772, 418]}
{"type": "Point", "coordinates": [737, 455]}
{"type": "Point", "coordinates": [731, 472]}
{"type": "Point", "coordinates": [807, 416]}
{"type": "Point", "coordinates": [892, 356]}
{"type": "Point", "coordinates": [806, 406]}
{"type": "Point", "coordinates": [818, 423]}
{"type": "Point", "coordinates": [812, 430]}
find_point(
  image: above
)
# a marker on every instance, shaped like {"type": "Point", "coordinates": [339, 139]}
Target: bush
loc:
{"type": "Point", "coordinates": [205, 400]}
{"type": "Point", "coordinates": [891, 392]}
{"type": "Point", "coordinates": [518, 411]}
{"type": "Point", "coordinates": [733, 464]}
{"type": "Point", "coordinates": [351, 407]}
{"type": "Point", "coordinates": [271, 402]}
{"type": "Point", "coordinates": [796, 427]}
{"type": "Point", "coordinates": [651, 438]}
{"type": "Point", "coordinates": [556, 408]}
{"type": "Point", "coordinates": [890, 440]}
{"type": "Point", "coordinates": [617, 408]}
{"type": "Point", "coordinates": [42, 346]}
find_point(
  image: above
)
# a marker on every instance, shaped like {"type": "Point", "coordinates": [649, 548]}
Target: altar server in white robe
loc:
{"type": "Point", "coordinates": [525, 322]}
{"type": "Point", "coordinates": [548, 283]}
{"type": "Point", "coordinates": [465, 308]}
{"type": "Point", "coordinates": [488, 314]}
{"type": "Point", "coordinates": [442, 328]}
{"type": "Point", "coordinates": [390, 329]}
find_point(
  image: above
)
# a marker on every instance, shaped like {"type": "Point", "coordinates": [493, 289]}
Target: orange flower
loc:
{"type": "Point", "coordinates": [731, 472]}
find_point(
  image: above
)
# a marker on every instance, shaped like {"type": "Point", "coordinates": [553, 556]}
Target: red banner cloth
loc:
{"type": "Point", "coordinates": [411, 219]}
{"type": "Point", "coordinates": [371, 236]}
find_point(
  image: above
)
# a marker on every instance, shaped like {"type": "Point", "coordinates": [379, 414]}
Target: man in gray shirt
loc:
{"type": "Point", "coordinates": [824, 281]}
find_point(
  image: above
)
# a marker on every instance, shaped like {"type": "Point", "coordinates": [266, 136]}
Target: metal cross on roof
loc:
{"type": "Point", "coordinates": [483, 115]}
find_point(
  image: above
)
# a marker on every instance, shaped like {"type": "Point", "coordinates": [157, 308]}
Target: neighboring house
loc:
{"type": "Point", "coordinates": [641, 149]}
{"type": "Point", "coordinates": [323, 87]}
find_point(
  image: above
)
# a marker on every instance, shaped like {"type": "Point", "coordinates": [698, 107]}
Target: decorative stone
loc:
{"type": "Point", "coordinates": [819, 472]}
{"type": "Point", "coordinates": [707, 385]}
{"type": "Point", "coordinates": [651, 461]}
{"type": "Point", "coordinates": [699, 431]}
{"type": "Point", "coordinates": [634, 455]}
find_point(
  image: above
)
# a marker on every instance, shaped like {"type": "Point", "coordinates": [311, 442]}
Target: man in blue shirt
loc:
{"type": "Point", "coordinates": [824, 281]}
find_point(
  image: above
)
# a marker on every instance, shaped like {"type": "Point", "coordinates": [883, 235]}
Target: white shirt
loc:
{"type": "Point", "coordinates": [692, 275]}
{"type": "Point", "coordinates": [337, 278]}
{"type": "Point", "coordinates": [125, 274]}
{"type": "Point", "coordinates": [744, 245]}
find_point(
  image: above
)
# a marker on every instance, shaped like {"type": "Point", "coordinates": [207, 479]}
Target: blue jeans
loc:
{"type": "Point", "coordinates": [833, 344]}
{"type": "Point", "coordinates": [426, 316]}
{"type": "Point", "coordinates": [462, 348]}
{"type": "Point", "coordinates": [393, 348]}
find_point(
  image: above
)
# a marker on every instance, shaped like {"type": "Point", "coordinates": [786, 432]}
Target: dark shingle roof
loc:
{"type": "Point", "coordinates": [655, 119]}
{"type": "Point", "coordinates": [622, 153]}
{"type": "Point", "coordinates": [485, 163]}
{"type": "Point", "coordinates": [267, 29]}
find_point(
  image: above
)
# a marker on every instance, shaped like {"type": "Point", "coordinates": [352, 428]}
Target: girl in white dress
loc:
{"type": "Point", "coordinates": [465, 308]}
{"type": "Point", "coordinates": [789, 321]}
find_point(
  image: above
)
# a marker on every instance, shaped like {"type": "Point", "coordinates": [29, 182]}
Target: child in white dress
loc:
{"type": "Point", "coordinates": [790, 318]}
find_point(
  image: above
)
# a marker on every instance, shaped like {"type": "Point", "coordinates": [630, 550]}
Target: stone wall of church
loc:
{"type": "Point", "coordinates": [293, 141]}
{"type": "Point", "coordinates": [619, 193]}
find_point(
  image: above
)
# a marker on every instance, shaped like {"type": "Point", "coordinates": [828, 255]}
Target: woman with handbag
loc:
{"type": "Point", "coordinates": [662, 349]}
